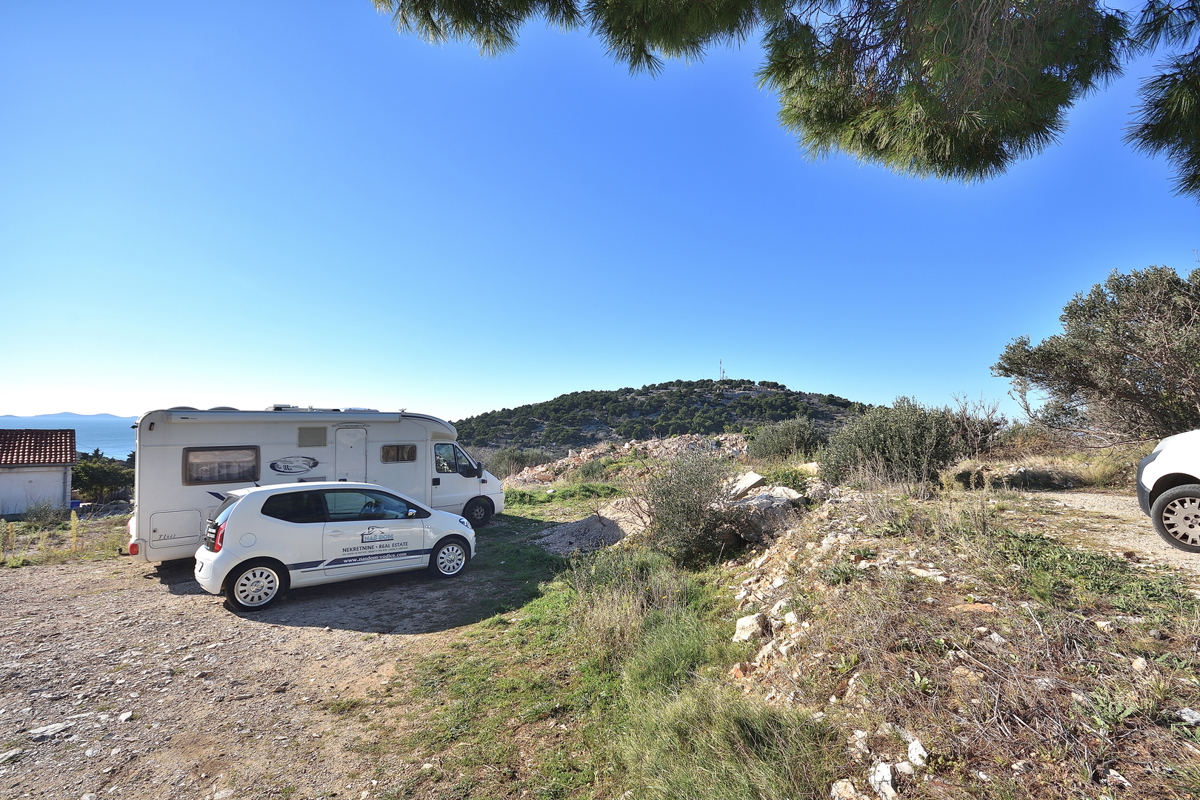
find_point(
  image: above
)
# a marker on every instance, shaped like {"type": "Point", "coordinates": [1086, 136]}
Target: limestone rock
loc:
{"type": "Point", "coordinates": [881, 781]}
{"type": "Point", "coordinates": [745, 483]}
{"type": "Point", "coordinates": [752, 627]}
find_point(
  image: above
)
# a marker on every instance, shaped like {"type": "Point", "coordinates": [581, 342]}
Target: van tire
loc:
{"type": "Point", "coordinates": [478, 512]}
{"type": "Point", "coordinates": [450, 557]}
{"type": "Point", "coordinates": [1176, 516]}
{"type": "Point", "coordinates": [255, 585]}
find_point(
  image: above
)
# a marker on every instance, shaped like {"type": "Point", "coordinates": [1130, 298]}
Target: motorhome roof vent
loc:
{"type": "Point", "coordinates": [222, 408]}
{"type": "Point", "coordinates": [282, 407]}
{"type": "Point", "coordinates": [355, 408]}
{"type": "Point", "coordinates": [182, 408]}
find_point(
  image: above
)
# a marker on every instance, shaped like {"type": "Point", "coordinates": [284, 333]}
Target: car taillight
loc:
{"type": "Point", "coordinates": [220, 538]}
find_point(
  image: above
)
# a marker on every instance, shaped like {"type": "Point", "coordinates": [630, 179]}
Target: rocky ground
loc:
{"type": "Point", "coordinates": [123, 680]}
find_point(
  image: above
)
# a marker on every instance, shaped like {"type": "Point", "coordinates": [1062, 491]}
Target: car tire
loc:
{"type": "Point", "coordinates": [478, 512]}
{"type": "Point", "coordinates": [449, 558]}
{"type": "Point", "coordinates": [1176, 516]}
{"type": "Point", "coordinates": [255, 585]}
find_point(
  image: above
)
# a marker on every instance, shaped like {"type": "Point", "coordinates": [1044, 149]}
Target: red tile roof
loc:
{"type": "Point", "coordinates": [27, 447]}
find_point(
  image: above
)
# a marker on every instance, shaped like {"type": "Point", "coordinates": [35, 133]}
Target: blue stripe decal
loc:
{"type": "Point", "coordinates": [366, 559]}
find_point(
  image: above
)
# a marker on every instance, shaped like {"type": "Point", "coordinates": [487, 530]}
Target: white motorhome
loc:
{"type": "Point", "coordinates": [187, 460]}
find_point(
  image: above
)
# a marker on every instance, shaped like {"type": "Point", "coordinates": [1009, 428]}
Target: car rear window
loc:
{"type": "Point", "coordinates": [297, 507]}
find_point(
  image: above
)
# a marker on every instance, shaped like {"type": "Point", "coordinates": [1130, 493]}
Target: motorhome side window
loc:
{"type": "Point", "coordinates": [219, 465]}
{"type": "Point", "coordinates": [397, 453]}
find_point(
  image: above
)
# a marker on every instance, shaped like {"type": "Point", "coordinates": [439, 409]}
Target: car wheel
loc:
{"type": "Point", "coordinates": [253, 587]}
{"type": "Point", "coordinates": [449, 558]}
{"type": "Point", "coordinates": [1176, 516]}
{"type": "Point", "coordinates": [478, 512]}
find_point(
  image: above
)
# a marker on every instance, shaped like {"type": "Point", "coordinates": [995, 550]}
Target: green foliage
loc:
{"type": "Point", "coordinates": [957, 90]}
{"type": "Point", "coordinates": [1170, 123]}
{"type": "Point", "coordinates": [1048, 570]}
{"type": "Point", "coordinates": [905, 443]}
{"type": "Point", "coordinates": [790, 477]}
{"type": "Point", "coordinates": [100, 479]}
{"type": "Point", "coordinates": [561, 494]}
{"type": "Point", "coordinates": [788, 439]}
{"type": "Point", "coordinates": [713, 743]}
{"type": "Point", "coordinates": [682, 497]}
{"type": "Point", "coordinates": [43, 515]}
{"type": "Point", "coordinates": [658, 410]}
{"type": "Point", "coordinates": [511, 460]}
{"type": "Point", "coordinates": [1127, 362]}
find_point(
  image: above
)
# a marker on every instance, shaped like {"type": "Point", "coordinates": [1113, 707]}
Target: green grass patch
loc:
{"type": "Point", "coordinates": [1050, 572]}
{"type": "Point", "coordinates": [560, 494]}
{"type": "Point", "coordinates": [712, 743]}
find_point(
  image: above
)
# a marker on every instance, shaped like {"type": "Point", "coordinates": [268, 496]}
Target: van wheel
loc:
{"type": "Point", "coordinates": [478, 512]}
{"type": "Point", "coordinates": [254, 586]}
{"type": "Point", "coordinates": [449, 558]}
{"type": "Point", "coordinates": [1176, 516]}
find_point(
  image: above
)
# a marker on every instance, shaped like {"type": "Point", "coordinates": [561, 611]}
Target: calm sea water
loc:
{"type": "Point", "coordinates": [113, 435]}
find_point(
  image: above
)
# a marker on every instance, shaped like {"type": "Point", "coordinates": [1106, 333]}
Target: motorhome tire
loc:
{"type": "Point", "coordinates": [478, 512]}
{"type": "Point", "coordinates": [255, 585]}
{"type": "Point", "coordinates": [449, 558]}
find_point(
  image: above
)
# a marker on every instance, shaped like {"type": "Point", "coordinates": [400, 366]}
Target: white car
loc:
{"type": "Point", "coordinates": [266, 539]}
{"type": "Point", "coordinates": [1168, 488]}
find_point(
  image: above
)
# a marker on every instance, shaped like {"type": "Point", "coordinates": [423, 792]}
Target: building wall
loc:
{"type": "Point", "coordinates": [21, 487]}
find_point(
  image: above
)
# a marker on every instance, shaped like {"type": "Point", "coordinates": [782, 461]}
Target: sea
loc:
{"type": "Point", "coordinates": [112, 435]}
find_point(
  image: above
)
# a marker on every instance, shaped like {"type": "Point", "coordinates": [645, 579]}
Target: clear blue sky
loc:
{"type": "Point", "coordinates": [244, 203]}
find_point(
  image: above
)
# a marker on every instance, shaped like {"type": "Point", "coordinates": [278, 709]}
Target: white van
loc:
{"type": "Point", "coordinates": [188, 460]}
{"type": "Point", "coordinates": [1168, 490]}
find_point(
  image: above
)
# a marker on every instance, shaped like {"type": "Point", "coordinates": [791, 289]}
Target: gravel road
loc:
{"type": "Point", "coordinates": [123, 680]}
{"type": "Point", "coordinates": [1128, 529]}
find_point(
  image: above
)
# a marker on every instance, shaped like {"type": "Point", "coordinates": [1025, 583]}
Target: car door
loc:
{"type": "Point", "coordinates": [451, 488]}
{"type": "Point", "coordinates": [372, 531]}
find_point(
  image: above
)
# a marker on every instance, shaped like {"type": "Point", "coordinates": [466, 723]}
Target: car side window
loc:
{"type": "Point", "coordinates": [299, 507]}
{"type": "Point", "coordinates": [349, 504]}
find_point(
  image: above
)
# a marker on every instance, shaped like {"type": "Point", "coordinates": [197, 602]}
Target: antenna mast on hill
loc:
{"type": "Point", "coordinates": [721, 364]}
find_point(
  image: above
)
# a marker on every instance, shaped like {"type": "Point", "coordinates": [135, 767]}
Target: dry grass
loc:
{"type": "Point", "coordinates": [1052, 671]}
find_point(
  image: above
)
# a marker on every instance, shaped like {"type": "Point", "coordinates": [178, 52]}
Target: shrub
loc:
{"type": "Point", "coordinates": [787, 439]}
{"type": "Point", "coordinates": [791, 477]}
{"type": "Point", "coordinates": [904, 443]}
{"type": "Point", "coordinates": [512, 460]}
{"type": "Point", "coordinates": [682, 498]}
{"type": "Point", "coordinates": [43, 514]}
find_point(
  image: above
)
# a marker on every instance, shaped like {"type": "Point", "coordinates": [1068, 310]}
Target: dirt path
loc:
{"type": "Point", "coordinates": [120, 680]}
{"type": "Point", "coordinates": [1118, 522]}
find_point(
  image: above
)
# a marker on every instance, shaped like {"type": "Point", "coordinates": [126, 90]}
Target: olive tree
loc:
{"type": "Point", "coordinates": [1127, 363]}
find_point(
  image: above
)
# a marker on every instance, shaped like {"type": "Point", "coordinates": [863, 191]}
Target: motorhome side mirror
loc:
{"type": "Point", "coordinates": [412, 512]}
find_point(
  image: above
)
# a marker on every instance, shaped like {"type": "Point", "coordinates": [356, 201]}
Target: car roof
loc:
{"type": "Point", "coordinates": [281, 488]}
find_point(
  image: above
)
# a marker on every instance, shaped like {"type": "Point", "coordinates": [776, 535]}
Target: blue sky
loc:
{"type": "Point", "coordinates": [250, 203]}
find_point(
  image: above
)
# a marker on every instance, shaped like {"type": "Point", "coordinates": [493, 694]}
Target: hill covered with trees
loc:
{"type": "Point", "coordinates": [582, 419]}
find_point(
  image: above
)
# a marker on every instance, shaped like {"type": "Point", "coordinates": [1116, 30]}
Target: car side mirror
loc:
{"type": "Point", "coordinates": [412, 512]}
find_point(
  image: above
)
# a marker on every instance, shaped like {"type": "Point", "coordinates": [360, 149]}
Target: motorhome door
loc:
{"type": "Point", "coordinates": [350, 455]}
{"type": "Point", "coordinates": [452, 489]}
